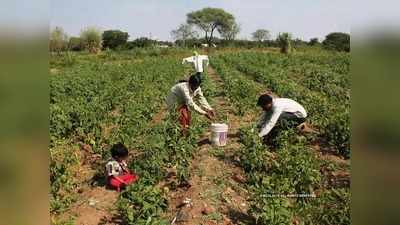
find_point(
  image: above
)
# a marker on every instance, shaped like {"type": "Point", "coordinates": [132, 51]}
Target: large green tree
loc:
{"type": "Point", "coordinates": [261, 35]}
{"type": "Point", "coordinates": [114, 38]}
{"type": "Point", "coordinates": [209, 20]}
{"type": "Point", "coordinates": [337, 41]}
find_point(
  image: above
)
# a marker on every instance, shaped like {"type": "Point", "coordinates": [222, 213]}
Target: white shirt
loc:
{"type": "Point", "coordinates": [114, 168]}
{"type": "Point", "coordinates": [268, 120]}
{"type": "Point", "coordinates": [182, 95]}
{"type": "Point", "coordinates": [197, 62]}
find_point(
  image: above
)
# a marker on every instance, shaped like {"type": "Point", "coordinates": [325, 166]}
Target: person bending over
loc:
{"type": "Point", "coordinates": [275, 109]}
{"type": "Point", "coordinates": [182, 97]}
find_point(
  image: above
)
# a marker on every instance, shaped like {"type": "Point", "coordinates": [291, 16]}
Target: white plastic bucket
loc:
{"type": "Point", "coordinates": [219, 134]}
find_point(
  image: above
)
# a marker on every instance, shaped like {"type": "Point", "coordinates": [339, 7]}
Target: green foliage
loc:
{"type": "Point", "coordinates": [313, 41]}
{"type": "Point", "coordinates": [183, 33]}
{"type": "Point", "coordinates": [142, 204]}
{"type": "Point", "coordinates": [126, 89]}
{"type": "Point", "coordinates": [62, 182]}
{"type": "Point", "coordinates": [64, 59]}
{"type": "Point", "coordinates": [88, 96]}
{"type": "Point", "coordinates": [261, 35]}
{"type": "Point", "coordinates": [83, 97]}
{"type": "Point", "coordinates": [276, 172]}
{"type": "Point", "coordinates": [142, 42]}
{"type": "Point", "coordinates": [122, 91]}
{"type": "Point", "coordinates": [254, 156]}
{"type": "Point", "coordinates": [270, 211]}
{"type": "Point", "coordinates": [58, 40]}
{"type": "Point", "coordinates": [338, 131]}
{"type": "Point", "coordinates": [319, 81]}
{"type": "Point", "coordinates": [75, 44]}
{"type": "Point", "coordinates": [229, 31]}
{"type": "Point", "coordinates": [285, 42]}
{"type": "Point", "coordinates": [91, 39]}
{"type": "Point", "coordinates": [114, 38]}
{"type": "Point", "coordinates": [292, 169]}
{"type": "Point", "coordinates": [163, 147]}
{"type": "Point", "coordinates": [333, 205]}
{"type": "Point", "coordinates": [337, 41]}
{"type": "Point", "coordinates": [237, 89]}
{"type": "Point", "coordinates": [210, 19]}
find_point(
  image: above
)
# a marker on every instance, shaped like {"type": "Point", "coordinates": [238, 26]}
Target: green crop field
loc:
{"type": "Point", "coordinates": [319, 81]}
{"type": "Point", "coordinates": [99, 100]}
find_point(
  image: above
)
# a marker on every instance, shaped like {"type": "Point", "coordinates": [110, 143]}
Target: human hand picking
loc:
{"type": "Point", "coordinates": [210, 115]}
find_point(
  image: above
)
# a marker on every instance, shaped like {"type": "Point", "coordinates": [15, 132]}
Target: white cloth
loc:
{"type": "Point", "coordinates": [197, 61]}
{"type": "Point", "coordinates": [182, 95]}
{"type": "Point", "coordinates": [268, 120]}
{"type": "Point", "coordinates": [114, 168]}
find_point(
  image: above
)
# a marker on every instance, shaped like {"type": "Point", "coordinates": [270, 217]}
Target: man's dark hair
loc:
{"type": "Point", "coordinates": [199, 75]}
{"type": "Point", "coordinates": [264, 99]}
{"type": "Point", "coordinates": [194, 81]}
{"type": "Point", "coordinates": [182, 81]}
{"type": "Point", "coordinates": [119, 151]}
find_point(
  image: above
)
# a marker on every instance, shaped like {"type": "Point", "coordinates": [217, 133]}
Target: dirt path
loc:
{"type": "Point", "coordinates": [216, 195]}
{"type": "Point", "coordinates": [95, 206]}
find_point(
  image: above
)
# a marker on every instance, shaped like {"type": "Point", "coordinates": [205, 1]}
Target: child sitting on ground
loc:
{"type": "Point", "coordinates": [118, 174]}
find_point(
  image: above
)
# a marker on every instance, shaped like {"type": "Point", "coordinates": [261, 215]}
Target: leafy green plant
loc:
{"type": "Point", "coordinates": [319, 81]}
{"type": "Point", "coordinates": [91, 39]}
{"type": "Point", "coordinates": [284, 40]}
{"type": "Point", "coordinates": [62, 182]}
{"type": "Point", "coordinates": [288, 166]}
{"type": "Point", "coordinates": [142, 204]}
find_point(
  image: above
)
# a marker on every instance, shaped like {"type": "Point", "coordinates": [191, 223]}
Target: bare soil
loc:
{"type": "Point", "coordinates": [95, 206]}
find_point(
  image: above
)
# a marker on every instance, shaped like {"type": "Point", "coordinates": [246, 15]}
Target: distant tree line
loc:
{"type": "Point", "coordinates": [210, 21]}
{"type": "Point", "coordinates": [93, 40]}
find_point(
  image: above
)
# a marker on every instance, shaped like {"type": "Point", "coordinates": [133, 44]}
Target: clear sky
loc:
{"type": "Point", "coordinates": [305, 19]}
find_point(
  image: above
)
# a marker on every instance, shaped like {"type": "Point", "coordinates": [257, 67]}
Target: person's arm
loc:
{"type": "Point", "coordinates": [124, 167]}
{"type": "Point", "coordinates": [203, 101]}
{"type": "Point", "coordinates": [267, 127]}
{"type": "Point", "coordinates": [189, 101]}
{"type": "Point", "coordinates": [261, 120]}
{"type": "Point", "coordinates": [188, 59]}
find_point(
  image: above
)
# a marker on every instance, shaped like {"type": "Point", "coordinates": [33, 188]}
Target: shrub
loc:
{"type": "Point", "coordinates": [337, 41]}
{"type": "Point", "coordinates": [91, 39]}
{"type": "Point", "coordinates": [141, 42]}
{"type": "Point", "coordinates": [58, 40]}
{"type": "Point", "coordinates": [142, 204]}
{"type": "Point", "coordinates": [284, 40]}
{"type": "Point", "coordinates": [114, 38]}
{"type": "Point", "coordinates": [313, 41]}
{"type": "Point", "coordinates": [75, 44]}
